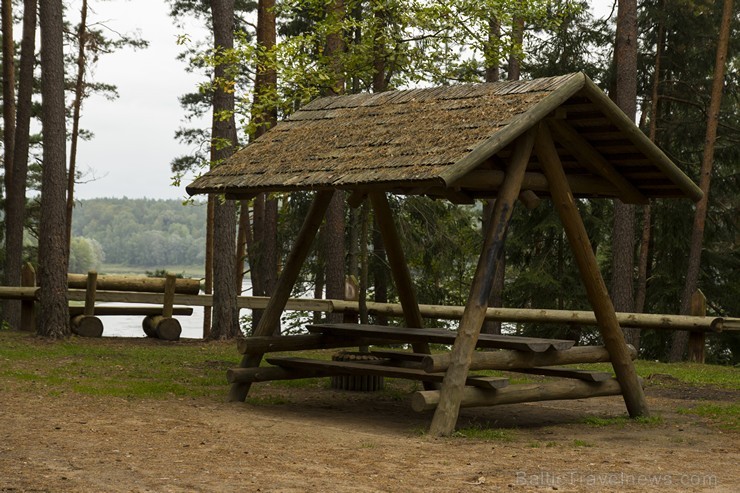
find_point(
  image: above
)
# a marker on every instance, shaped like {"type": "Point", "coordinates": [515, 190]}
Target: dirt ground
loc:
{"type": "Point", "coordinates": [357, 442]}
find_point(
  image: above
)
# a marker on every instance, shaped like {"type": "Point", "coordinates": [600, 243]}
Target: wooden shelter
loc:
{"type": "Point", "coordinates": [559, 137]}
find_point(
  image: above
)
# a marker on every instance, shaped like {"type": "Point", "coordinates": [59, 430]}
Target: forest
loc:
{"type": "Point", "coordinates": [266, 59]}
{"type": "Point", "coordinates": [137, 233]}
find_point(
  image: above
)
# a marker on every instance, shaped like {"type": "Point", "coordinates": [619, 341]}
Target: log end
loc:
{"type": "Point", "coordinates": [87, 326]}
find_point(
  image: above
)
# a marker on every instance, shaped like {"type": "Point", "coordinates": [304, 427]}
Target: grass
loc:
{"type": "Point", "coordinates": [724, 416]}
{"type": "Point", "coordinates": [622, 421]}
{"type": "Point", "coordinates": [725, 377]}
{"type": "Point", "coordinates": [128, 368]}
{"type": "Point", "coordinates": [484, 432]}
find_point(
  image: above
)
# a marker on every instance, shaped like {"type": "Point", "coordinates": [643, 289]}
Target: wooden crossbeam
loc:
{"type": "Point", "coordinates": [514, 394]}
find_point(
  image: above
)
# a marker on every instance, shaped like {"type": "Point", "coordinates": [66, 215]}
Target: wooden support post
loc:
{"type": "Point", "coordinates": [697, 339]}
{"type": "Point", "coordinates": [87, 324]}
{"type": "Point", "coordinates": [28, 312]}
{"type": "Point", "coordinates": [169, 295]}
{"type": "Point", "coordinates": [399, 271]}
{"type": "Point", "coordinates": [90, 289]}
{"type": "Point", "coordinates": [271, 316]}
{"type": "Point", "coordinates": [445, 416]}
{"type": "Point", "coordinates": [399, 267]}
{"type": "Point", "coordinates": [598, 296]}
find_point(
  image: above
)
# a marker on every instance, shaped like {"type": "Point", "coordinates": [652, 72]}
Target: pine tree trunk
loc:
{"type": "Point", "coordinates": [680, 338]}
{"type": "Point", "coordinates": [225, 311]}
{"type": "Point", "coordinates": [623, 231]}
{"type": "Point", "coordinates": [262, 247]}
{"type": "Point", "coordinates": [8, 89]}
{"type": "Point", "coordinates": [334, 225]}
{"type": "Point", "coordinates": [76, 107]}
{"type": "Point", "coordinates": [15, 201]}
{"type": "Point", "coordinates": [53, 320]}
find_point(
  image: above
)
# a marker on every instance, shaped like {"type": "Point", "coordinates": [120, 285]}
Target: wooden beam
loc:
{"type": "Point", "coordinates": [133, 283]}
{"type": "Point", "coordinates": [514, 394]}
{"type": "Point", "coordinates": [581, 184]}
{"type": "Point", "coordinates": [274, 344]}
{"type": "Point", "coordinates": [506, 359]}
{"type": "Point", "coordinates": [595, 161]}
{"type": "Point", "coordinates": [445, 417]}
{"type": "Point", "coordinates": [399, 267]}
{"type": "Point", "coordinates": [271, 316]}
{"type": "Point", "coordinates": [596, 291]}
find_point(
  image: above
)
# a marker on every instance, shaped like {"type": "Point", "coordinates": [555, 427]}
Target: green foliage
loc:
{"type": "Point", "coordinates": [141, 232]}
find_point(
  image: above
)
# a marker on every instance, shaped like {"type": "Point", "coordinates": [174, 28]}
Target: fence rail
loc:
{"type": "Point", "coordinates": [697, 324]}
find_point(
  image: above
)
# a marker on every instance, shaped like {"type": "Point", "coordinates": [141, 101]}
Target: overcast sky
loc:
{"type": "Point", "coordinates": [134, 135]}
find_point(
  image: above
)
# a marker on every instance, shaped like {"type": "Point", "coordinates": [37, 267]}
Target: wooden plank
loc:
{"type": "Point", "coordinates": [440, 336]}
{"type": "Point", "coordinates": [274, 344]}
{"type": "Point", "coordinates": [445, 416]}
{"type": "Point", "coordinates": [598, 296]}
{"type": "Point", "coordinates": [271, 316]}
{"type": "Point", "coordinates": [514, 394]}
{"type": "Point", "coordinates": [355, 368]}
{"type": "Point", "coordinates": [505, 359]}
{"type": "Point", "coordinates": [108, 311]}
{"type": "Point", "coordinates": [585, 375]}
{"type": "Point", "coordinates": [400, 356]}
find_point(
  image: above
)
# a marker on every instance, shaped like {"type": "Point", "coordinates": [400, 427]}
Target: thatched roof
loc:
{"type": "Point", "coordinates": [452, 141]}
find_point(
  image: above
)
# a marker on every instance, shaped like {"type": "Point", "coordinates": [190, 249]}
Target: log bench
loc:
{"type": "Point", "coordinates": [510, 353]}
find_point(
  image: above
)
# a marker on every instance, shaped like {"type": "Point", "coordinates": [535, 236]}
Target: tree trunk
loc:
{"type": "Point", "coordinates": [53, 318]}
{"type": "Point", "coordinates": [678, 347]}
{"type": "Point", "coordinates": [623, 232]}
{"type": "Point", "coordinates": [492, 51]}
{"type": "Point", "coordinates": [15, 200]}
{"type": "Point", "coordinates": [76, 107]}
{"type": "Point", "coordinates": [225, 311]}
{"type": "Point", "coordinates": [8, 89]}
{"type": "Point", "coordinates": [334, 227]}
{"type": "Point", "coordinates": [515, 62]}
{"type": "Point", "coordinates": [208, 287]}
{"type": "Point", "coordinates": [262, 247]}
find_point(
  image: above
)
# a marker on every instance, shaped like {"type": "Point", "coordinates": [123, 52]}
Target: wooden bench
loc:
{"type": "Point", "coordinates": [510, 353]}
{"type": "Point", "coordinates": [440, 336]}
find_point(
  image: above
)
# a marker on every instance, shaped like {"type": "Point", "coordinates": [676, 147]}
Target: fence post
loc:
{"type": "Point", "coordinates": [28, 312]}
{"type": "Point", "coordinates": [697, 339]}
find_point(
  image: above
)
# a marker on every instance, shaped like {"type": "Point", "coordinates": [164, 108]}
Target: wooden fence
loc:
{"type": "Point", "coordinates": [698, 324]}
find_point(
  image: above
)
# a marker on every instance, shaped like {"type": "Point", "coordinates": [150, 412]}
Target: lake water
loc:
{"type": "Point", "coordinates": [192, 326]}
